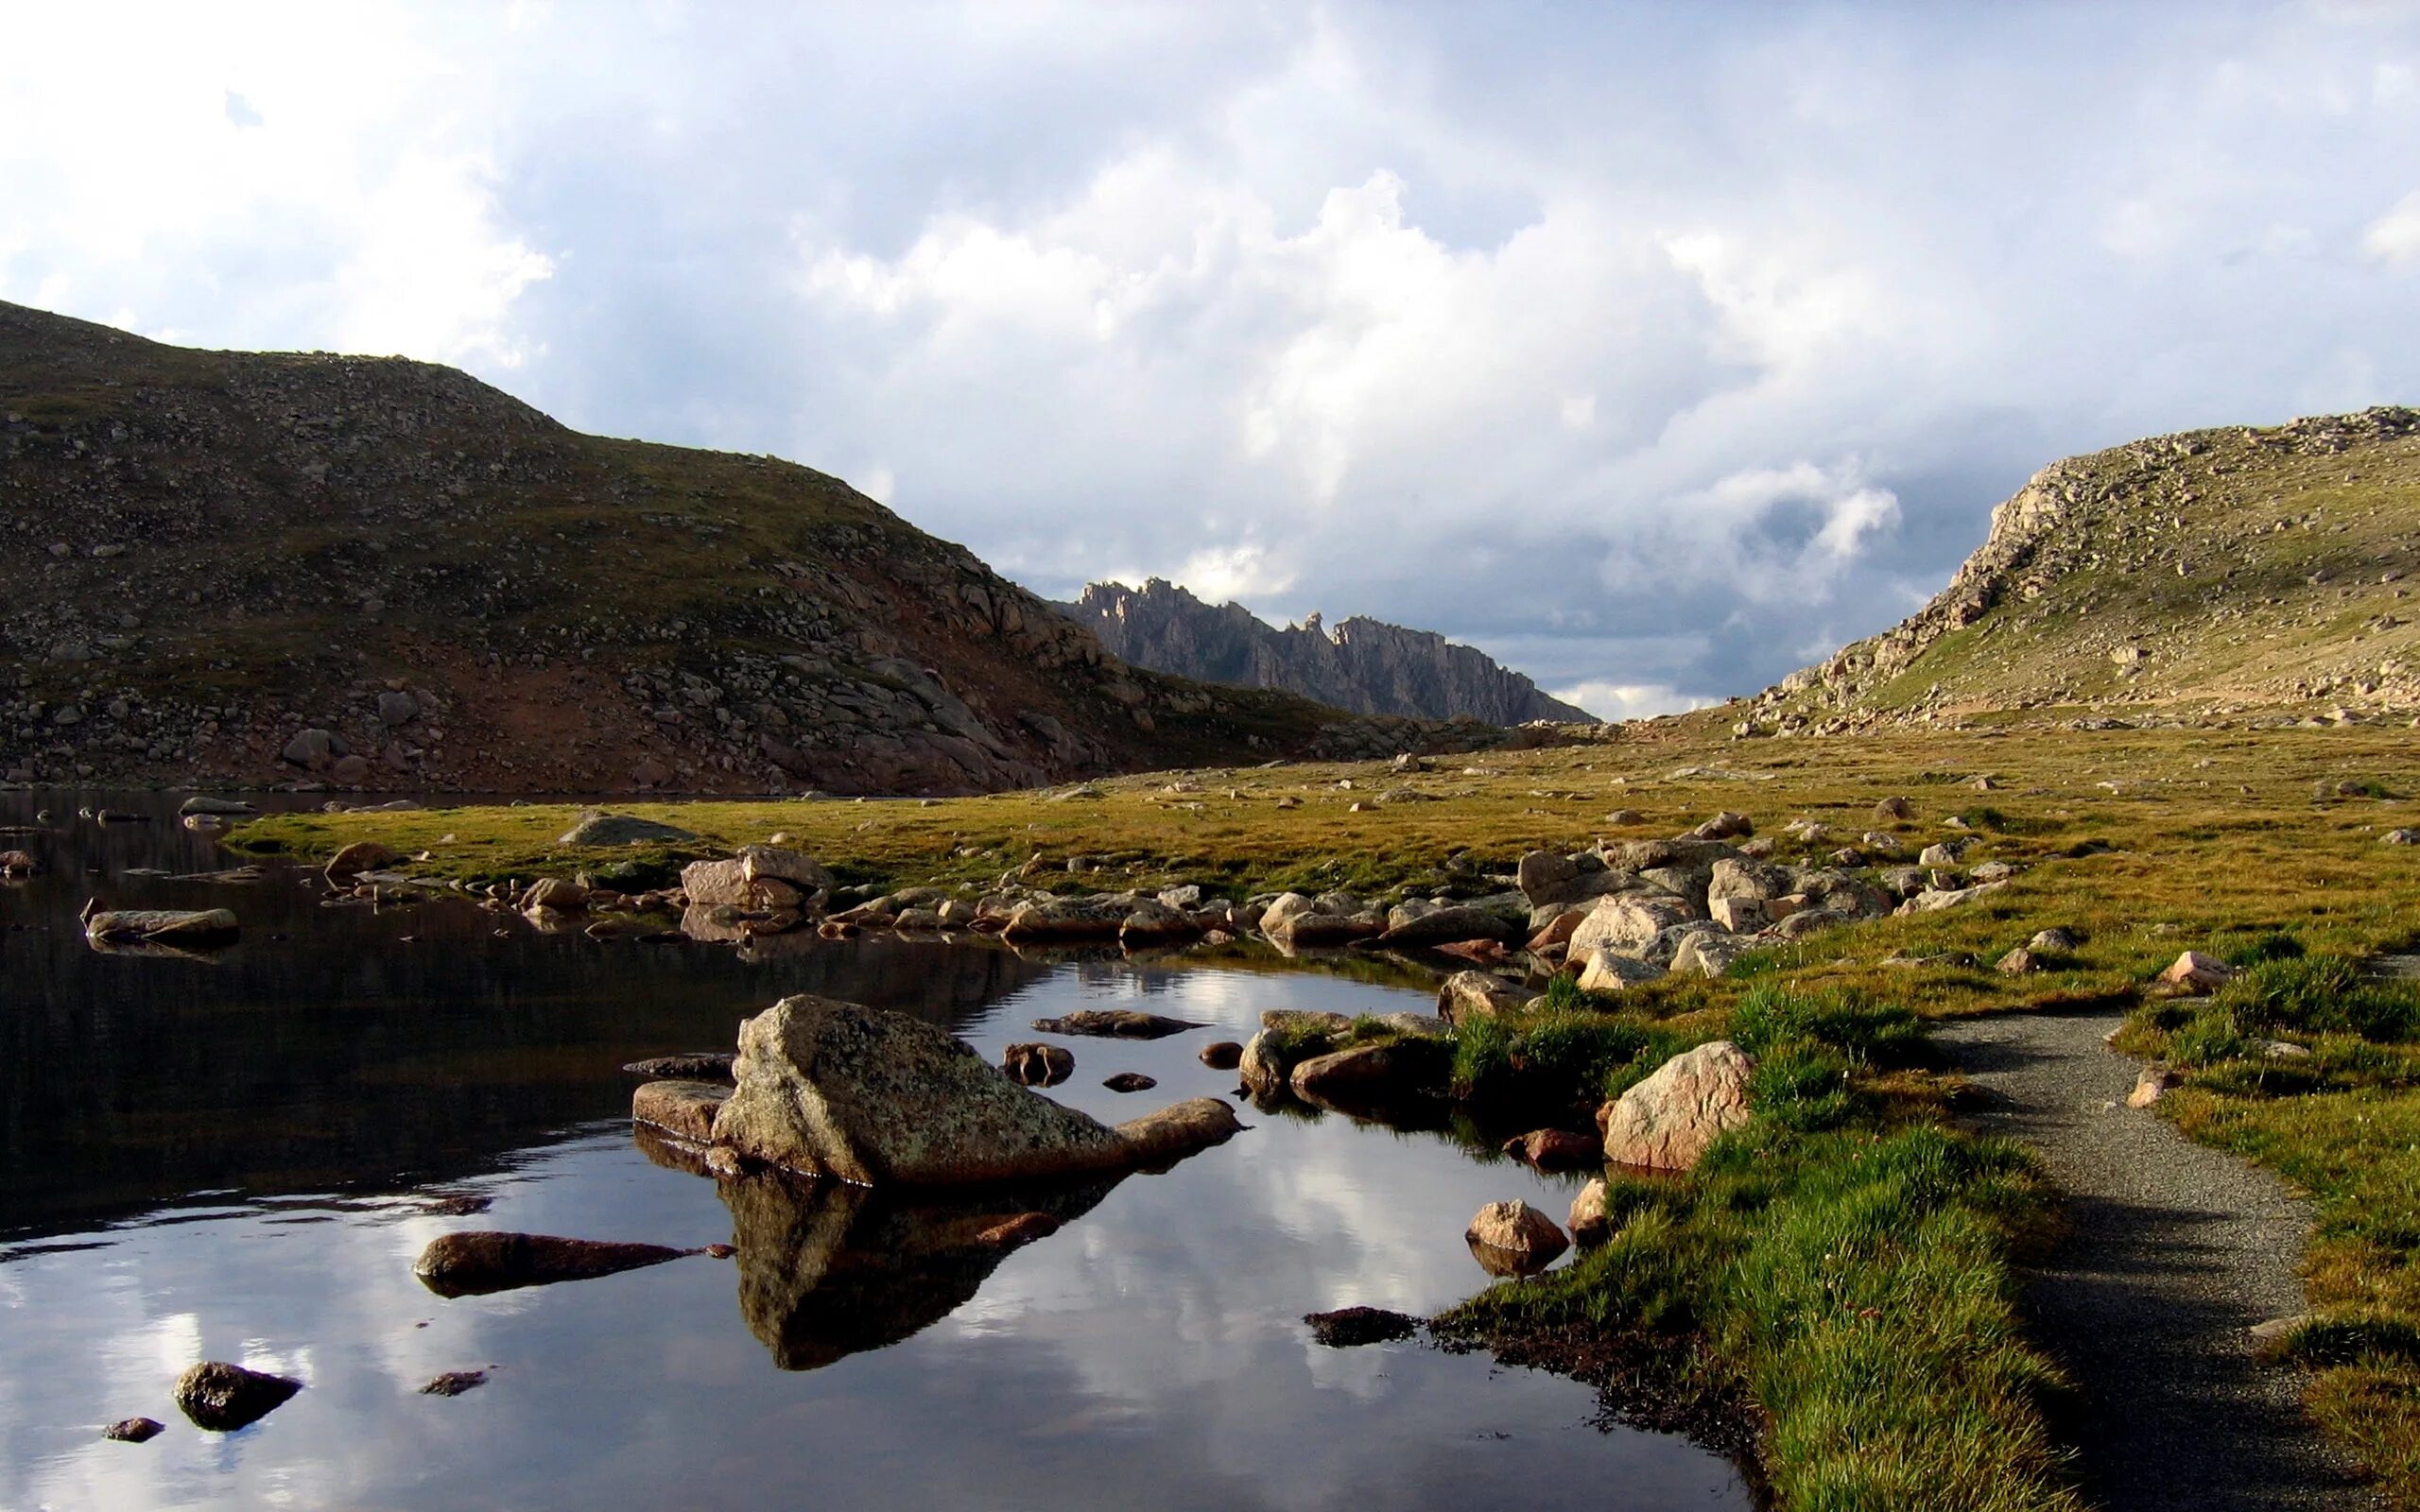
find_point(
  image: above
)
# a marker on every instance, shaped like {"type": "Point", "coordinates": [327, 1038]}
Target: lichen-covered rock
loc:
{"type": "Point", "coordinates": [879, 1099]}
{"type": "Point", "coordinates": [1666, 1121]}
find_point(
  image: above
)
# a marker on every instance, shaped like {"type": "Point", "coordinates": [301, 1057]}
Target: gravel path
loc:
{"type": "Point", "coordinates": [2176, 1249]}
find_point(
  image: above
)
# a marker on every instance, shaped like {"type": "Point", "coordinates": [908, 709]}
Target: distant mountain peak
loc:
{"type": "Point", "coordinates": [1365, 665]}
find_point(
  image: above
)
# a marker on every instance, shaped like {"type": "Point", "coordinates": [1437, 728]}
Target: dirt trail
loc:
{"type": "Point", "coordinates": [2176, 1249]}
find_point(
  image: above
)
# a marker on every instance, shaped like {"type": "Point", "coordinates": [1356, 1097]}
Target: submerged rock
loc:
{"type": "Point", "coordinates": [477, 1261]}
{"type": "Point", "coordinates": [876, 1097]}
{"type": "Point", "coordinates": [1348, 1326]}
{"type": "Point", "coordinates": [454, 1383]}
{"type": "Point", "coordinates": [222, 1398]}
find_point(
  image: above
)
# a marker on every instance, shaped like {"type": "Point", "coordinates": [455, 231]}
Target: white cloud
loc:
{"type": "Point", "coordinates": [1631, 701]}
{"type": "Point", "coordinates": [2393, 238]}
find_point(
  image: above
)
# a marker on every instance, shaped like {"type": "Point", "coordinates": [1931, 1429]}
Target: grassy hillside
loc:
{"type": "Point", "coordinates": [2193, 576]}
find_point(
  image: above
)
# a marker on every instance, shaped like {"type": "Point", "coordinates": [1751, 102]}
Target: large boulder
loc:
{"type": "Point", "coordinates": [759, 862]}
{"type": "Point", "coordinates": [1738, 877]}
{"type": "Point", "coordinates": [1628, 925]}
{"type": "Point", "coordinates": [1446, 926]}
{"type": "Point", "coordinates": [1666, 1121]}
{"type": "Point", "coordinates": [1296, 921]}
{"type": "Point", "coordinates": [879, 1098]}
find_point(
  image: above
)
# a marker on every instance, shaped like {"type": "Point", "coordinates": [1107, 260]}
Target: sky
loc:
{"type": "Point", "coordinates": [1657, 350]}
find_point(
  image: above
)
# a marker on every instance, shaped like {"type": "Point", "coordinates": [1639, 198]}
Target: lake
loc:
{"type": "Point", "coordinates": [238, 1157]}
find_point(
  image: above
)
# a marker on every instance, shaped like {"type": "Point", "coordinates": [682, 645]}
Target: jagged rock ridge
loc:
{"type": "Point", "coordinates": [1363, 664]}
{"type": "Point", "coordinates": [2211, 572]}
{"type": "Point", "coordinates": [245, 568]}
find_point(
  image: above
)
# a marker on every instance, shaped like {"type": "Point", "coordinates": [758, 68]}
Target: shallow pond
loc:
{"type": "Point", "coordinates": [238, 1157]}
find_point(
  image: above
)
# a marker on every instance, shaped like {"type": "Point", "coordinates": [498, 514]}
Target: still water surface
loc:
{"type": "Point", "coordinates": [239, 1157]}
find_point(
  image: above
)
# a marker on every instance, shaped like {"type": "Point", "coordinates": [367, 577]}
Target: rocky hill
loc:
{"type": "Point", "coordinates": [236, 567]}
{"type": "Point", "coordinates": [2209, 575]}
{"type": "Point", "coordinates": [1365, 665]}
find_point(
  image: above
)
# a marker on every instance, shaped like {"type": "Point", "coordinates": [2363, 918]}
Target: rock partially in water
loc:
{"type": "Point", "coordinates": [879, 1099]}
{"type": "Point", "coordinates": [1347, 1327]}
{"type": "Point", "coordinates": [1468, 995]}
{"type": "Point", "coordinates": [1121, 1023]}
{"type": "Point", "coordinates": [703, 1066]}
{"type": "Point", "coordinates": [1366, 1076]}
{"type": "Point", "coordinates": [1554, 1149]}
{"type": "Point", "coordinates": [1034, 1064]}
{"type": "Point", "coordinates": [135, 1430]}
{"type": "Point", "coordinates": [16, 864]}
{"type": "Point", "coordinates": [1129, 1081]}
{"type": "Point", "coordinates": [166, 926]}
{"type": "Point", "coordinates": [454, 1383]}
{"type": "Point", "coordinates": [222, 1398]}
{"type": "Point", "coordinates": [1225, 1054]}
{"type": "Point", "coordinates": [1514, 1238]}
{"type": "Point", "coordinates": [356, 858]}
{"type": "Point", "coordinates": [686, 1109]}
{"type": "Point", "coordinates": [478, 1261]}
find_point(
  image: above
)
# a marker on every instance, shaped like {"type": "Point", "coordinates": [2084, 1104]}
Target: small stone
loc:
{"type": "Point", "coordinates": [2054, 942]}
{"type": "Point", "coordinates": [1129, 1081]}
{"type": "Point", "coordinates": [454, 1383]}
{"type": "Point", "coordinates": [2153, 1084]}
{"type": "Point", "coordinates": [2194, 975]}
{"type": "Point", "coordinates": [135, 1430]}
{"type": "Point", "coordinates": [1224, 1055]}
{"type": "Point", "coordinates": [1591, 1220]}
{"type": "Point", "coordinates": [2019, 962]}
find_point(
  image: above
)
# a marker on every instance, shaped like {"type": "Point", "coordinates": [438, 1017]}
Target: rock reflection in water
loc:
{"type": "Point", "coordinates": [827, 1270]}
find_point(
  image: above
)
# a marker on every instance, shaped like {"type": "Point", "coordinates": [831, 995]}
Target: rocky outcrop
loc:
{"type": "Point", "coordinates": [2058, 607]}
{"type": "Point", "coordinates": [878, 1098]}
{"type": "Point", "coordinates": [1365, 665]}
